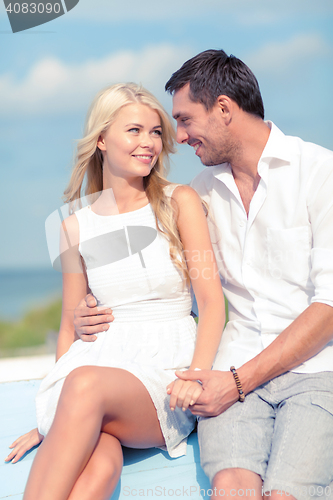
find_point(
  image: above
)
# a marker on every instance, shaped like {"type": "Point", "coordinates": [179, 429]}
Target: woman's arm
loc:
{"type": "Point", "coordinates": [74, 283]}
{"type": "Point", "coordinates": [205, 279]}
{"type": "Point", "coordinates": [74, 288]}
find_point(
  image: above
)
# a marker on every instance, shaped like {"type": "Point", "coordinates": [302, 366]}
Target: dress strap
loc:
{"type": "Point", "coordinates": [169, 189]}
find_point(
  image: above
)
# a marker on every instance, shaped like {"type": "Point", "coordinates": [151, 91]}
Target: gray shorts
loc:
{"type": "Point", "coordinates": [283, 432]}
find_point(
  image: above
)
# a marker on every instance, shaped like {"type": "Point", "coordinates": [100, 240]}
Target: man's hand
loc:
{"type": "Point", "coordinates": [219, 391]}
{"type": "Point", "coordinates": [89, 319]}
{"type": "Point", "coordinates": [183, 393]}
{"type": "Point", "coordinates": [24, 444]}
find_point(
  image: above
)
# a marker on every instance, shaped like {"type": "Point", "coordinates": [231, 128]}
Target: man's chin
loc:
{"type": "Point", "coordinates": [209, 163]}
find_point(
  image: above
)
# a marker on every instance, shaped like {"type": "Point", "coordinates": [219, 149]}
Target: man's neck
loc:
{"type": "Point", "coordinates": [254, 137]}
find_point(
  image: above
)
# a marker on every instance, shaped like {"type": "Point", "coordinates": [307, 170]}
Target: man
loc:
{"type": "Point", "coordinates": [271, 219]}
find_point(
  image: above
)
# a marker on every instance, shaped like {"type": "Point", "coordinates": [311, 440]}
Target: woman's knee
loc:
{"type": "Point", "coordinates": [104, 478]}
{"type": "Point", "coordinates": [81, 386]}
{"type": "Point", "coordinates": [101, 475]}
{"type": "Point", "coordinates": [111, 469]}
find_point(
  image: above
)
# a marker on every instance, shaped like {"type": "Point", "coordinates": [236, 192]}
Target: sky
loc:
{"type": "Point", "coordinates": [50, 74]}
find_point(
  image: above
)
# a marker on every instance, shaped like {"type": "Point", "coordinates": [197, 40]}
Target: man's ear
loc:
{"type": "Point", "coordinates": [101, 143]}
{"type": "Point", "coordinates": [226, 107]}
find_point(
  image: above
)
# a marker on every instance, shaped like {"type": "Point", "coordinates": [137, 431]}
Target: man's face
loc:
{"type": "Point", "coordinates": [203, 130]}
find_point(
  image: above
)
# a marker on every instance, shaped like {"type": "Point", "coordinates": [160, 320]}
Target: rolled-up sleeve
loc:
{"type": "Point", "coordinates": [320, 209]}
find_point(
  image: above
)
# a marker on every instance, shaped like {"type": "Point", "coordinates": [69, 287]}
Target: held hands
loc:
{"type": "Point", "coordinates": [219, 391]}
{"type": "Point", "coordinates": [89, 319]}
{"type": "Point", "coordinates": [183, 393]}
{"type": "Point", "coordinates": [24, 444]}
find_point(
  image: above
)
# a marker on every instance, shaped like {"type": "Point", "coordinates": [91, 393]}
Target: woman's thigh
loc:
{"type": "Point", "coordinates": [127, 408]}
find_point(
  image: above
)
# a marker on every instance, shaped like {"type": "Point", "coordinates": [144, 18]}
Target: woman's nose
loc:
{"type": "Point", "coordinates": [147, 141]}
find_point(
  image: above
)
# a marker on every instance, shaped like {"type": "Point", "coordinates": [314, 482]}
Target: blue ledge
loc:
{"type": "Point", "coordinates": [146, 473]}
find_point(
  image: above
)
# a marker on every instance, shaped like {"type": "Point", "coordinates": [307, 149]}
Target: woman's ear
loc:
{"type": "Point", "coordinates": [101, 143]}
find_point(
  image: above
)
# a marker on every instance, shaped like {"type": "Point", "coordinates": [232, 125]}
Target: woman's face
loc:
{"type": "Point", "coordinates": [133, 142]}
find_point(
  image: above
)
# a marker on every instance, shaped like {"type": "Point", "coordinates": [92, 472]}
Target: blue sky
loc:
{"type": "Point", "coordinates": [49, 75]}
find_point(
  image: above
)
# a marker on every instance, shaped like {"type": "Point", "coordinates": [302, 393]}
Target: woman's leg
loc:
{"type": "Point", "coordinates": [101, 474]}
{"type": "Point", "coordinates": [93, 399]}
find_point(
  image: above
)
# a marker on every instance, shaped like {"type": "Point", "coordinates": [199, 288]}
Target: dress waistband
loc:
{"type": "Point", "coordinates": [152, 310]}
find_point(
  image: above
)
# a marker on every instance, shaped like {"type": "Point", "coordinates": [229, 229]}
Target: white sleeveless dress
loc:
{"type": "Point", "coordinates": [153, 333]}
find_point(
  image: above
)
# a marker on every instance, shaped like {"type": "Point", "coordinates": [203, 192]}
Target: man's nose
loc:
{"type": "Point", "coordinates": [181, 137]}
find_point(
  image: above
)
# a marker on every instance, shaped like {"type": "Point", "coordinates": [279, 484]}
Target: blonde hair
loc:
{"type": "Point", "coordinates": [89, 161]}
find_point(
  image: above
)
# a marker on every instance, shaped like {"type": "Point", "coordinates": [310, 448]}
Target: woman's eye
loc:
{"type": "Point", "coordinates": [158, 132]}
{"type": "Point", "coordinates": [134, 129]}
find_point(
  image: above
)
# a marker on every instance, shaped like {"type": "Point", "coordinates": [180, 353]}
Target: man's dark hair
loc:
{"type": "Point", "coordinates": [211, 74]}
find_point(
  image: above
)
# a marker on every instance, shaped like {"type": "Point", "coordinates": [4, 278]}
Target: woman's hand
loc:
{"type": "Point", "coordinates": [183, 393]}
{"type": "Point", "coordinates": [24, 444]}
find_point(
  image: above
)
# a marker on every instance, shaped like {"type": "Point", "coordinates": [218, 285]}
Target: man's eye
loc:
{"type": "Point", "coordinates": [184, 120]}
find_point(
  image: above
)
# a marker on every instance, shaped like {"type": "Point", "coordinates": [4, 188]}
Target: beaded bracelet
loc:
{"type": "Point", "coordinates": [238, 384]}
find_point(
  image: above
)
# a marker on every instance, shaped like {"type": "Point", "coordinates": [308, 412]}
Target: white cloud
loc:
{"type": "Point", "coordinates": [52, 86]}
{"type": "Point", "coordinates": [281, 58]}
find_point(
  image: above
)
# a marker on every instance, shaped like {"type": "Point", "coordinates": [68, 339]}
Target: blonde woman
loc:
{"type": "Point", "coordinates": [113, 391]}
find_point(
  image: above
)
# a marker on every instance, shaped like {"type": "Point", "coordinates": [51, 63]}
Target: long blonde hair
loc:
{"type": "Point", "coordinates": [89, 160]}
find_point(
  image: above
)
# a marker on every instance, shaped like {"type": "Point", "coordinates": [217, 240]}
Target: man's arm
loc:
{"type": "Point", "coordinates": [310, 331]}
{"type": "Point", "coordinates": [90, 319]}
{"type": "Point", "coordinates": [303, 338]}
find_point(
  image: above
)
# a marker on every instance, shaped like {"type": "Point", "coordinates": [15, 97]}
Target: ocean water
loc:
{"type": "Point", "coordinates": [20, 290]}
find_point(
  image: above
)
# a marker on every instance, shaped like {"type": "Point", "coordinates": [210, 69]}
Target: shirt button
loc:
{"type": "Point", "coordinates": [242, 223]}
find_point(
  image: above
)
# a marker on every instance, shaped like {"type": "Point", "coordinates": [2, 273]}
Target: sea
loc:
{"type": "Point", "coordinates": [23, 289]}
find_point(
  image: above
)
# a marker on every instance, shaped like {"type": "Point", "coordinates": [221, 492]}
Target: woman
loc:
{"type": "Point", "coordinates": [113, 391]}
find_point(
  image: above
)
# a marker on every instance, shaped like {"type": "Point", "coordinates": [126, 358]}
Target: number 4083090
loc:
{"type": "Point", "coordinates": [33, 8]}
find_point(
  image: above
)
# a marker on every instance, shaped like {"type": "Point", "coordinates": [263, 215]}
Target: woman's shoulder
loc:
{"type": "Point", "coordinates": [71, 222]}
{"type": "Point", "coordinates": [169, 189]}
{"type": "Point", "coordinates": [70, 225]}
{"type": "Point", "coordinates": [69, 243]}
{"type": "Point", "coordinates": [182, 193]}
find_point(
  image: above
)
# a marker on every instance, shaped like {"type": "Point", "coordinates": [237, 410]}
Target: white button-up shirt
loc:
{"type": "Point", "coordinates": [279, 259]}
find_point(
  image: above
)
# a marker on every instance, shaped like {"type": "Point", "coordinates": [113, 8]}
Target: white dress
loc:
{"type": "Point", "coordinates": [153, 333]}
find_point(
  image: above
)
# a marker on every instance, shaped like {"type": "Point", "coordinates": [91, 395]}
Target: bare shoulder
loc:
{"type": "Point", "coordinates": [69, 246]}
{"type": "Point", "coordinates": [185, 195]}
{"type": "Point", "coordinates": [70, 223]}
{"type": "Point", "coordinates": [69, 240]}
{"type": "Point", "coordinates": [71, 226]}
{"type": "Point", "coordinates": [190, 210]}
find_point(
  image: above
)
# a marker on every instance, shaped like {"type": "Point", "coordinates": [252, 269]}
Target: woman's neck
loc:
{"type": "Point", "coordinates": [127, 195]}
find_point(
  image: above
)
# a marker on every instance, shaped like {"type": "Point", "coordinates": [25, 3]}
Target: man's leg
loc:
{"type": "Point", "coordinates": [299, 463]}
{"type": "Point", "coordinates": [301, 458]}
{"type": "Point", "coordinates": [235, 446]}
{"type": "Point", "coordinates": [242, 484]}
{"type": "Point", "coordinates": [238, 484]}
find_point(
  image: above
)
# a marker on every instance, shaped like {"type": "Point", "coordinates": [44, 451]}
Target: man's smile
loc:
{"type": "Point", "coordinates": [196, 145]}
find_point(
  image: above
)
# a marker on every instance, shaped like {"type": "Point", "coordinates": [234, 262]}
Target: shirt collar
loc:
{"type": "Point", "coordinates": [277, 147]}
